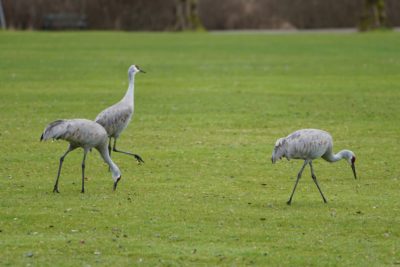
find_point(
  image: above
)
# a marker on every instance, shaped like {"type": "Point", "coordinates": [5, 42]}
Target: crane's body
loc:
{"type": "Point", "coordinates": [117, 117]}
{"type": "Point", "coordinates": [310, 144]}
{"type": "Point", "coordinates": [85, 134]}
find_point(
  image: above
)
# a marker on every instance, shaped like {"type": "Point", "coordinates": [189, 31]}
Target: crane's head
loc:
{"type": "Point", "coordinates": [279, 150]}
{"type": "Point", "coordinates": [116, 182]}
{"type": "Point", "coordinates": [116, 174]}
{"type": "Point", "coordinates": [351, 159]}
{"type": "Point", "coordinates": [353, 167]}
{"type": "Point", "coordinates": [134, 69]}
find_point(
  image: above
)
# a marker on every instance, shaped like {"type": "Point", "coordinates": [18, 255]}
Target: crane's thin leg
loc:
{"type": "Point", "coordinates": [83, 170]}
{"type": "Point", "coordinates": [55, 189]}
{"type": "Point", "coordinates": [137, 157]}
{"type": "Point", "coordinates": [109, 146]}
{"type": "Point", "coordinates": [297, 180]}
{"type": "Point", "coordinates": [109, 151]}
{"type": "Point", "coordinates": [315, 181]}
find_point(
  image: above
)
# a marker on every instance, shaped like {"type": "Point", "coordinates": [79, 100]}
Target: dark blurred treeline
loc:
{"type": "Point", "coordinates": [160, 15]}
{"type": "Point", "coordinates": [298, 14]}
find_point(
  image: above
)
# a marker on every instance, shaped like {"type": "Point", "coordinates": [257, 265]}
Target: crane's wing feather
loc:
{"type": "Point", "coordinates": [279, 150]}
{"type": "Point", "coordinates": [55, 130]}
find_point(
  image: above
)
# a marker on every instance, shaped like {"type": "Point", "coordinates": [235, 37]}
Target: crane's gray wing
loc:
{"type": "Point", "coordinates": [79, 132]}
{"type": "Point", "coordinates": [115, 118]}
{"type": "Point", "coordinates": [308, 143]}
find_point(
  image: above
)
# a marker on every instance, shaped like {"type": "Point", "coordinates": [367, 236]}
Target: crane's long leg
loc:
{"type": "Point", "coordinates": [109, 146]}
{"type": "Point", "coordinates": [297, 180]}
{"type": "Point", "coordinates": [137, 157]}
{"type": "Point", "coordinates": [315, 181]}
{"type": "Point", "coordinates": [109, 151]}
{"type": "Point", "coordinates": [55, 189]}
{"type": "Point", "coordinates": [83, 170]}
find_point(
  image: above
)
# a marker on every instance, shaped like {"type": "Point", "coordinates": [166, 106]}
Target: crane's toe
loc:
{"type": "Point", "coordinates": [139, 159]}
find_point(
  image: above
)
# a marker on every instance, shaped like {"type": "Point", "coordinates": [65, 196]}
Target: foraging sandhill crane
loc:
{"type": "Point", "coordinates": [81, 133]}
{"type": "Point", "coordinates": [117, 117]}
{"type": "Point", "coordinates": [310, 144]}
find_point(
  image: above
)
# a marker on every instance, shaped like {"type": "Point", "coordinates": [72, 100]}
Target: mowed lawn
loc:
{"type": "Point", "coordinates": [207, 115]}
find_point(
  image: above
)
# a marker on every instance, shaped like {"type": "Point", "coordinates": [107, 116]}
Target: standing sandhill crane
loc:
{"type": "Point", "coordinates": [310, 144]}
{"type": "Point", "coordinates": [117, 117]}
{"type": "Point", "coordinates": [81, 133]}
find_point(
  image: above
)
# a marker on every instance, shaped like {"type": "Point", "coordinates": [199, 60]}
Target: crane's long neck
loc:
{"type": "Point", "coordinates": [116, 173]}
{"type": "Point", "coordinates": [129, 96]}
{"type": "Point", "coordinates": [338, 156]}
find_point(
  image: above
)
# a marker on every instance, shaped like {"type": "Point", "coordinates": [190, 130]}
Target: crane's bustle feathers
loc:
{"type": "Point", "coordinates": [54, 130]}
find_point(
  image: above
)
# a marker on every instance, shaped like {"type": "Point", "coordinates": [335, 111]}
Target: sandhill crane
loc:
{"type": "Point", "coordinates": [310, 144]}
{"type": "Point", "coordinates": [117, 117]}
{"type": "Point", "coordinates": [81, 133]}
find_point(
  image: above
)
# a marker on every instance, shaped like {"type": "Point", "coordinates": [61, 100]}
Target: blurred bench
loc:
{"type": "Point", "coordinates": [63, 21]}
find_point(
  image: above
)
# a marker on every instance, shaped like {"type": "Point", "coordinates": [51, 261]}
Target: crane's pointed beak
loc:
{"type": "Point", "coordinates": [142, 71]}
{"type": "Point", "coordinates": [353, 167]}
{"type": "Point", "coordinates": [116, 183]}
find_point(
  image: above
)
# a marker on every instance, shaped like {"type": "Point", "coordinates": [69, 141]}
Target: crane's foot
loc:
{"type": "Point", "coordinates": [55, 190]}
{"type": "Point", "coordinates": [289, 202]}
{"type": "Point", "coordinates": [82, 191]}
{"type": "Point", "coordinates": [138, 158]}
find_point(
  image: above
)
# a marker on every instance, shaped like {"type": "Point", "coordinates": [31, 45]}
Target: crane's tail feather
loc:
{"type": "Point", "coordinates": [55, 130]}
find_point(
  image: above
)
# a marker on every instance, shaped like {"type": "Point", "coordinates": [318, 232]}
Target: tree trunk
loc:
{"type": "Point", "coordinates": [374, 15]}
{"type": "Point", "coordinates": [187, 16]}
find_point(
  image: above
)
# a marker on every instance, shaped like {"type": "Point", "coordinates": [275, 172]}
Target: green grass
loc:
{"type": "Point", "coordinates": [207, 115]}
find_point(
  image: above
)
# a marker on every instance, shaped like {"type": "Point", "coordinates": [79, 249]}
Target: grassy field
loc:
{"type": "Point", "coordinates": [207, 115]}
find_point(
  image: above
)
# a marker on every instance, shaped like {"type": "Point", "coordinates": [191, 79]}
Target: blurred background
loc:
{"type": "Point", "coordinates": [177, 15]}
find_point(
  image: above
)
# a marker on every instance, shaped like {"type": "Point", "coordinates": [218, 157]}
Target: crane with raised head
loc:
{"type": "Point", "coordinates": [117, 117]}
